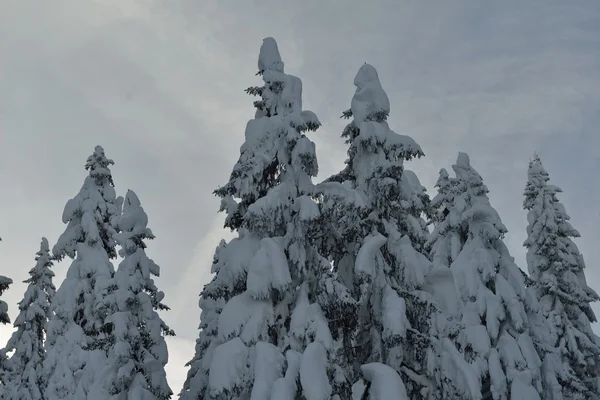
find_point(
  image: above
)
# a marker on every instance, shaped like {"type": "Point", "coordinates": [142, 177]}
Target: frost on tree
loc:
{"type": "Point", "coordinates": [572, 364]}
{"type": "Point", "coordinates": [23, 378]}
{"type": "Point", "coordinates": [495, 337]}
{"type": "Point", "coordinates": [137, 353]}
{"type": "Point", "coordinates": [374, 212]}
{"type": "Point", "coordinates": [75, 343]}
{"type": "Point", "coordinates": [271, 315]}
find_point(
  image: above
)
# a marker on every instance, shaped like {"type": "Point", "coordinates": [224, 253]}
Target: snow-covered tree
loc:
{"type": "Point", "coordinates": [4, 319]}
{"type": "Point", "coordinates": [226, 283]}
{"type": "Point", "coordinates": [138, 352]}
{"type": "Point", "coordinates": [24, 377]}
{"type": "Point", "coordinates": [445, 242]}
{"type": "Point", "coordinates": [383, 383]}
{"type": "Point", "coordinates": [272, 311]}
{"type": "Point", "coordinates": [75, 344]}
{"type": "Point", "coordinates": [4, 284]}
{"type": "Point", "coordinates": [495, 337]}
{"type": "Point", "coordinates": [376, 233]}
{"type": "Point", "coordinates": [572, 369]}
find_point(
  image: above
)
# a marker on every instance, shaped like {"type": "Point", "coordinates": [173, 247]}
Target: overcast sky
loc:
{"type": "Point", "coordinates": [159, 84]}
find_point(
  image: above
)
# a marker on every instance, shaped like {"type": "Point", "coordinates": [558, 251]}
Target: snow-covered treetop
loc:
{"type": "Point", "coordinates": [41, 272]}
{"type": "Point", "coordinates": [463, 170]}
{"type": "Point", "coordinates": [374, 146]}
{"type": "Point", "coordinates": [443, 200]}
{"type": "Point", "coordinates": [370, 102]}
{"type": "Point", "coordinates": [376, 156]}
{"type": "Point", "coordinates": [537, 186]}
{"type": "Point", "coordinates": [481, 215]}
{"type": "Point", "coordinates": [22, 378]}
{"type": "Point", "coordinates": [548, 219]}
{"type": "Point", "coordinates": [132, 225]}
{"type": "Point", "coordinates": [551, 251]}
{"type": "Point", "coordinates": [275, 148]}
{"type": "Point", "coordinates": [98, 165]}
{"type": "Point", "coordinates": [557, 273]}
{"type": "Point", "coordinates": [139, 354]}
{"type": "Point", "coordinates": [38, 296]}
{"type": "Point", "coordinates": [269, 58]}
{"type": "Point", "coordinates": [90, 212]}
{"type": "Point", "coordinates": [444, 242]}
{"type": "Point", "coordinates": [4, 284]}
{"type": "Point", "coordinates": [133, 230]}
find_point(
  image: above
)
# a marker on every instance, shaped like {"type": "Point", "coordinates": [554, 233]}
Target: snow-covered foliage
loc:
{"type": "Point", "coordinates": [375, 165]}
{"type": "Point", "coordinates": [384, 383]}
{"type": "Point", "coordinates": [24, 378]}
{"type": "Point", "coordinates": [495, 337]}
{"type": "Point", "coordinates": [272, 313]}
{"type": "Point", "coordinates": [571, 366]}
{"type": "Point", "coordinates": [445, 242]}
{"type": "Point", "coordinates": [137, 353]}
{"type": "Point", "coordinates": [75, 330]}
{"type": "Point", "coordinates": [229, 265]}
{"type": "Point", "coordinates": [4, 319]}
{"type": "Point", "coordinates": [374, 210]}
{"type": "Point", "coordinates": [4, 284]}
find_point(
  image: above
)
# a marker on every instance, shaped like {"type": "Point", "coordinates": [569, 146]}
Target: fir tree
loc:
{"type": "Point", "coordinates": [496, 336]}
{"type": "Point", "coordinates": [266, 311]}
{"type": "Point", "coordinates": [374, 209]}
{"type": "Point", "coordinates": [4, 319]}
{"type": "Point", "coordinates": [445, 241]}
{"type": "Point", "coordinates": [228, 270]}
{"type": "Point", "coordinates": [24, 377]}
{"type": "Point", "coordinates": [138, 352]}
{"type": "Point", "coordinates": [4, 284]}
{"type": "Point", "coordinates": [572, 364]}
{"type": "Point", "coordinates": [76, 345]}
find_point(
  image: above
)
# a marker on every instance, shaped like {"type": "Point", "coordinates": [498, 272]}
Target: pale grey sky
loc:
{"type": "Point", "coordinates": [160, 86]}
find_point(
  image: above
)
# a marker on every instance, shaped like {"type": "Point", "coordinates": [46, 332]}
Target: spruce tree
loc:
{"type": "Point", "coordinates": [374, 211]}
{"type": "Point", "coordinates": [264, 322]}
{"type": "Point", "coordinates": [572, 362]}
{"type": "Point", "coordinates": [4, 319]}
{"type": "Point", "coordinates": [138, 352]}
{"type": "Point", "coordinates": [445, 241]}
{"type": "Point", "coordinates": [223, 286]}
{"type": "Point", "coordinates": [24, 377]}
{"type": "Point", "coordinates": [4, 284]}
{"type": "Point", "coordinates": [76, 345]}
{"type": "Point", "coordinates": [495, 337]}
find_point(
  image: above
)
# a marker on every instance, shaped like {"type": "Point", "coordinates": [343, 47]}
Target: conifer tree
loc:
{"type": "Point", "coordinates": [75, 344]}
{"type": "Point", "coordinates": [24, 376]}
{"type": "Point", "coordinates": [230, 263]}
{"type": "Point", "coordinates": [265, 331]}
{"type": "Point", "coordinates": [572, 364]}
{"type": "Point", "coordinates": [496, 335]}
{"type": "Point", "coordinates": [138, 352]}
{"type": "Point", "coordinates": [375, 209]}
{"type": "Point", "coordinates": [4, 284]}
{"type": "Point", "coordinates": [4, 319]}
{"type": "Point", "coordinates": [445, 241]}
